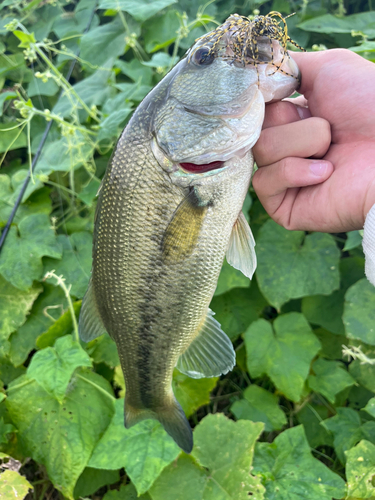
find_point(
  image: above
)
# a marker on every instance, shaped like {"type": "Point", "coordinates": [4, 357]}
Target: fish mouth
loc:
{"type": "Point", "coordinates": [193, 168]}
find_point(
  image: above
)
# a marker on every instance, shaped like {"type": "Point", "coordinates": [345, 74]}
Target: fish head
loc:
{"type": "Point", "coordinates": [213, 108]}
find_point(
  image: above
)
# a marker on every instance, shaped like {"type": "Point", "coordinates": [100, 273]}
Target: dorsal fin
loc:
{"type": "Point", "coordinates": [210, 354]}
{"type": "Point", "coordinates": [241, 253]}
{"type": "Point", "coordinates": [90, 323]}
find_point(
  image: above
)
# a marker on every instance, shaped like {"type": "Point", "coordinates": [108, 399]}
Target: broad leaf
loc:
{"type": "Point", "coordinates": [230, 278]}
{"type": "Point", "coordinates": [75, 265]}
{"type": "Point", "coordinates": [311, 416]}
{"type": "Point", "coordinates": [328, 23]}
{"type": "Point", "coordinates": [283, 351]}
{"type": "Point", "coordinates": [360, 470]}
{"type": "Point", "coordinates": [92, 479]}
{"type": "Point", "coordinates": [126, 492]}
{"type": "Point", "coordinates": [103, 350]}
{"type": "Point", "coordinates": [53, 367]}
{"type": "Point", "coordinates": [347, 430]}
{"type": "Point", "coordinates": [14, 306]}
{"type": "Point", "coordinates": [364, 373]}
{"type": "Point", "coordinates": [290, 472]}
{"type": "Point", "coordinates": [223, 453]}
{"type": "Point", "coordinates": [47, 308]}
{"type": "Point", "coordinates": [192, 393]}
{"type": "Point", "coordinates": [21, 258]}
{"type": "Point", "coordinates": [13, 486]}
{"type": "Point", "coordinates": [139, 9]}
{"type": "Point", "coordinates": [62, 326]}
{"type": "Point", "coordinates": [143, 450]}
{"type": "Point", "coordinates": [237, 309]}
{"type": "Point", "coordinates": [329, 378]}
{"type": "Point", "coordinates": [310, 264]}
{"type": "Point", "coordinates": [359, 312]}
{"type": "Point", "coordinates": [103, 42]}
{"type": "Point", "coordinates": [11, 137]}
{"type": "Point", "coordinates": [259, 405]}
{"type": "Point", "coordinates": [61, 435]}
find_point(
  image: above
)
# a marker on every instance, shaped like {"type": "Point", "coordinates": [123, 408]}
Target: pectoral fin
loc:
{"type": "Point", "coordinates": [210, 354]}
{"type": "Point", "coordinates": [182, 233]}
{"type": "Point", "coordinates": [90, 324]}
{"type": "Point", "coordinates": [241, 253]}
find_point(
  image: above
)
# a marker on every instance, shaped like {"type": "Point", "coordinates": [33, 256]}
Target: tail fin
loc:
{"type": "Point", "coordinates": [172, 418]}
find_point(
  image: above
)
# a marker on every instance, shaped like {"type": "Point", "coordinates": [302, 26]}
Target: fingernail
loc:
{"type": "Point", "coordinates": [319, 168]}
{"type": "Point", "coordinates": [303, 112]}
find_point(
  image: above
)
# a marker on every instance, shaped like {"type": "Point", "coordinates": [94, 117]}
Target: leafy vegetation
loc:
{"type": "Point", "coordinates": [295, 419]}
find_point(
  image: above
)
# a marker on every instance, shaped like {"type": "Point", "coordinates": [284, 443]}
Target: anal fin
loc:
{"type": "Point", "coordinates": [90, 323]}
{"type": "Point", "coordinates": [241, 252]}
{"type": "Point", "coordinates": [210, 354]}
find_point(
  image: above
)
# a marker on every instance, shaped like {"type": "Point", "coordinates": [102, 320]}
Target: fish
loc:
{"type": "Point", "coordinates": [170, 209]}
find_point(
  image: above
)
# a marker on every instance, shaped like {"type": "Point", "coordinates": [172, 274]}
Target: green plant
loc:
{"type": "Point", "coordinates": [295, 419]}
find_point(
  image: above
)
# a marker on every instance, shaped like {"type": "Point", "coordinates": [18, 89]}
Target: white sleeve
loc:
{"type": "Point", "coordinates": [369, 245]}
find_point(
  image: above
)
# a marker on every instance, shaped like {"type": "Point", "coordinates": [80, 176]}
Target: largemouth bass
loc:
{"type": "Point", "coordinates": [170, 209]}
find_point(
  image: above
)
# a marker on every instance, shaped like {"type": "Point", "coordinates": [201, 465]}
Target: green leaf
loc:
{"type": "Point", "coordinates": [103, 350]}
{"type": "Point", "coordinates": [291, 472]}
{"type": "Point", "coordinates": [38, 87]}
{"type": "Point", "coordinates": [75, 265]}
{"type": "Point", "coordinates": [61, 435]}
{"type": "Point", "coordinates": [359, 312]}
{"type": "Point", "coordinates": [71, 23]}
{"type": "Point", "coordinates": [139, 9]}
{"type": "Point", "coordinates": [259, 405]}
{"type": "Point", "coordinates": [109, 127]}
{"type": "Point", "coordinates": [160, 60]}
{"type": "Point", "coordinates": [21, 258]}
{"type": "Point", "coordinates": [6, 96]}
{"type": "Point", "coordinates": [143, 450]}
{"type": "Point", "coordinates": [370, 407]}
{"type": "Point", "coordinates": [310, 416]}
{"type": "Point", "coordinates": [360, 470]}
{"type": "Point", "coordinates": [237, 309]}
{"type": "Point", "coordinates": [92, 479]}
{"type": "Point", "coordinates": [103, 42]}
{"type": "Point", "coordinates": [39, 202]}
{"type": "Point", "coordinates": [126, 492]}
{"type": "Point", "coordinates": [292, 265]}
{"type": "Point", "coordinates": [348, 430]}
{"type": "Point", "coordinates": [51, 301]}
{"type": "Point", "coordinates": [89, 191]}
{"type": "Point", "coordinates": [14, 306]}
{"type": "Point", "coordinates": [328, 23]}
{"type": "Point", "coordinates": [65, 154]}
{"type": "Point", "coordinates": [192, 393]}
{"type": "Point", "coordinates": [25, 38]}
{"type": "Point", "coordinates": [329, 378]}
{"type": "Point", "coordinates": [11, 137]}
{"type": "Point", "coordinates": [230, 278]}
{"type": "Point", "coordinates": [364, 373]}
{"type": "Point", "coordinates": [161, 31]}
{"type": "Point", "coordinates": [53, 367]}
{"type": "Point", "coordinates": [219, 466]}
{"type": "Point", "coordinates": [62, 326]}
{"type": "Point", "coordinates": [283, 351]}
{"type": "Point", "coordinates": [13, 486]}
{"type": "Point", "coordinates": [327, 311]}
{"type": "Point", "coordinates": [331, 343]}
{"type": "Point", "coordinates": [9, 372]}
{"type": "Point", "coordinates": [93, 90]}
{"type": "Point", "coordinates": [354, 240]}
{"type": "Point", "coordinates": [136, 71]}
{"type": "Point", "coordinates": [5, 429]}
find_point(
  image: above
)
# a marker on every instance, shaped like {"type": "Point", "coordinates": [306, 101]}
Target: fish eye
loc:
{"type": "Point", "coordinates": [203, 56]}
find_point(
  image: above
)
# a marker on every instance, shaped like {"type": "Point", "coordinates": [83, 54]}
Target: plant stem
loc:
{"type": "Point", "coordinates": [65, 84]}
{"type": "Point", "coordinates": [61, 282]}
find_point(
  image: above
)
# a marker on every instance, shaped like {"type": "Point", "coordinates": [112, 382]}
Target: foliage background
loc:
{"type": "Point", "coordinates": [295, 412]}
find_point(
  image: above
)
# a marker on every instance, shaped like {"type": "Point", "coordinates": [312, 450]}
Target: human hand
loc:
{"type": "Point", "coordinates": [317, 163]}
